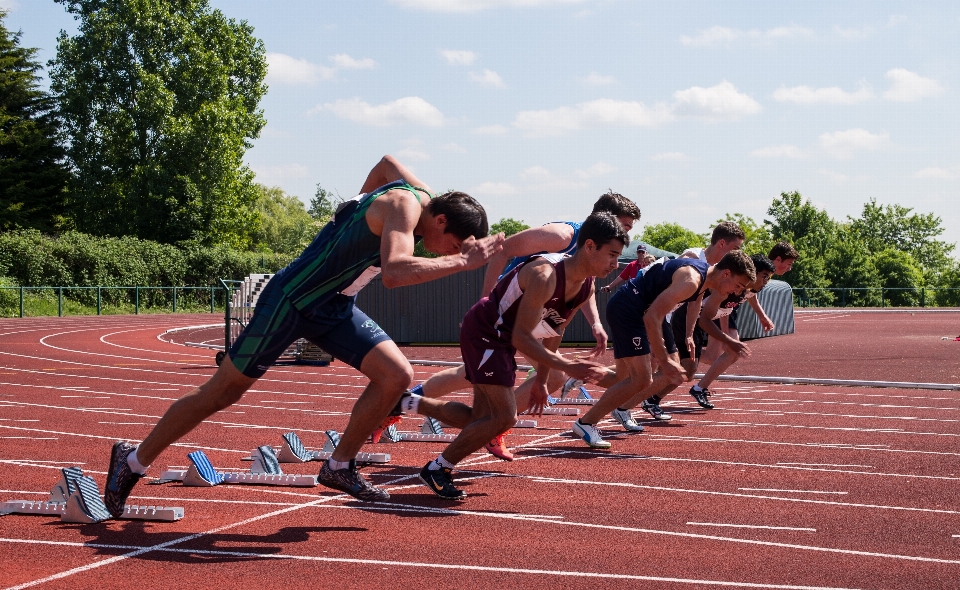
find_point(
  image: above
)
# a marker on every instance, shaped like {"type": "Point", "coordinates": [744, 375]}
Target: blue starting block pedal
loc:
{"type": "Point", "coordinates": [292, 450]}
{"type": "Point", "coordinates": [76, 499]}
{"type": "Point", "coordinates": [265, 471]}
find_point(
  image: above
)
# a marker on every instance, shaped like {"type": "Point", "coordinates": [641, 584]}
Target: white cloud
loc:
{"type": "Point", "coordinates": [342, 61]}
{"type": "Point", "coordinates": [408, 110]}
{"type": "Point", "coordinates": [493, 189]}
{"type": "Point", "coordinates": [452, 147]}
{"type": "Point", "coordinates": [670, 157]}
{"type": "Point", "coordinates": [907, 86]}
{"type": "Point", "coordinates": [831, 95]}
{"type": "Point", "coordinates": [834, 177]}
{"type": "Point", "coordinates": [595, 79]}
{"type": "Point", "coordinates": [842, 144]}
{"type": "Point", "coordinates": [934, 172]}
{"type": "Point", "coordinates": [603, 111]}
{"type": "Point", "coordinates": [717, 35]}
{"type": "Point", "coordinates": [491, 130]}
{"type": "Point", "coordinates": [488, 78]}
{"type": "Point", "coordinates": [477, 5]}
{"type": "Point", "coordinates": [412, 154]}
{"type": "Point", "coordinates": [720, 102]}
{"type": "Point", "coordinates": [283, 69]}
{"type": "Point", "coordinates": [778, 151]}
{"type": "Point", "coordinates": [278, 175]}
{"type": "Point", "coordinates": [598, 169]}
{"type": "Point", "coordinates": [9, 5]}
{"type": "Point", "coordinates": [459, 57]}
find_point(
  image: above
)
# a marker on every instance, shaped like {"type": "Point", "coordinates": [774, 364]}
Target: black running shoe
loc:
{"type": "Point", "coordinates": [440, 482]}
{"type": "Point", "coordinates": [398, 409]}
{"type": "Point", "coordinates": [653, 408]}
{"type": "Point", "coordinates": [120, 479]}
{"type": "Point", "coordinates": [350, 481]}
{"type": "Point", "coordinates": [701, 397]}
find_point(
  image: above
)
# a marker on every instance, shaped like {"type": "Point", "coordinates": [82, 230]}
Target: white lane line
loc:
{"type": "Point", "coordinates": [129, 423]}
{"type": "Point", "coordinates": [159, 388]}
{"type": "Point", "coordinates": [752, 526]}
{"type": "Point", "coordinates": [27, 438]}
{"type": "Point", "coordinates": [827, 465]}
{"type": "Point", "coordinates": [86, 396]}
{"type": "Point", "coordinates": [789, 491]}
{"type": "Point", "coordinates": [378, 562]}
{"type": "Point", "coordinates": [11, 420]}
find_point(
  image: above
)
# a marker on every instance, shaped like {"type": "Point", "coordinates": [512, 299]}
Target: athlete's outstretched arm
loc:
{"type": "Point", "coordinates": [387, 170]}
{"type": "Point", "coordinates": [684, 284]}
{"type": "Point", "coordinates": [400, 214]}
{"type": "Point", "coordinates": [552, 237]}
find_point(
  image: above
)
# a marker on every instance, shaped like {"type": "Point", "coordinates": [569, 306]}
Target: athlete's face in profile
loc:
{"type": "Point", "coordinates": [627, 222]}
{"type": "Point", "coordinates": [434, 240]}
{"type": "Point", "coordinates": [762, 279]}
{"type": "Point", "coordinates": [603, 260]}
{"type": "Point", "coordinates": [733, 283]}
{"type": "Point", "coordinates": [782, 266]}
{"type": "Point", "coordinates": [725, 246]}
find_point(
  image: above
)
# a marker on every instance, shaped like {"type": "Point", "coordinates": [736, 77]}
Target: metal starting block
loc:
{"type": "Point", "coordinates": [76, 498]}
{"type": "Point", "coordinates": [526, 424]}
{"type": "Point", "coordinates": [430, 431]}
{"type": "Point", "coordinates": [264, 471]}
{"type": "Point", "coordinates": [292, 450]}
{"type": "Point", "coordinates": [570, 401]}
{"type": "Point", "coordinates": [557, 412]}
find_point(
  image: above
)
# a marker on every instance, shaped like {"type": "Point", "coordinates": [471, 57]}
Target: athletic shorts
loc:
{"type": "Point", "coordinates": [679, 325]}
{"type": "Point", "coordinates": [733, 318]}
{"type": "Point", "coordinates": [338, 327]}
{"type": "Point", "coordinates": [486, 361]}
{"type": "Point", "coordinates": [627, 331]}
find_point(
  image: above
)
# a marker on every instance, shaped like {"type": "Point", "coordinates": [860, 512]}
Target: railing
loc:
{"type": "Point", "coordinates": [173, 298]}
{"type": "Point", "coordinates": [876, 296]}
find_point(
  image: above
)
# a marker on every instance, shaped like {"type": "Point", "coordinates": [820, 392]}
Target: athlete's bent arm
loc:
{"type": "Point", "coordinates": [684, 285]}
{"type": "Point", "coordinates": [552, 237]}
{"type": "Point", "coordinates": [388, 170]}
{"type": "Point", "coordinates": [709, 311]}
{"type": "Point", "coordinates": [765, 320]}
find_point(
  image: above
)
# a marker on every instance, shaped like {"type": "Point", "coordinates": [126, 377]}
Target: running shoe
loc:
{"type": "Point", "coordinates": [440, 482]}
{"type": "Point", "coordinates": [701, 397]}
{"type": "Point", "coordinates": [590, 435]}
{"type": "Point", "coordinates": [654, 410]}
{"type": "Point", "coordinates": [498, 448]}
{"type": "Point", "coordinates": [350, 481]}
{"type": "Point", "coordinates": [571, 384]}
{"type": "Point", "coordinates": [625, 419]}
{"type": "Point", "coordinates": [387, 423]}
{"type": "Point", "coordinates": [120, 478]}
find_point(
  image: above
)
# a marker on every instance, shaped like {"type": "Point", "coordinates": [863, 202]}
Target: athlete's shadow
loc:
{"type": "Point", "coordinates": [136, 535]}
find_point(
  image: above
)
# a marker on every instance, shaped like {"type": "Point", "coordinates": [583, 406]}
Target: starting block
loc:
{"type": "Point", "coordinates": [76, 498]}
{"type": "Point", "coordinates": [430, 431]}
{"type": "Point", "coordinates": [548, 411]}
{"type": "Point", "coordinates": [292, 450]}
{"type": "Point", "coordinates": [264, 471]}
{"type": "Point", "coordinates": [570, 401]}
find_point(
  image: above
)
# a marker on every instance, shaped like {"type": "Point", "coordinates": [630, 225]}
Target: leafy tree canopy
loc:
{"type": "Point", "coordinates": [672, 237]}
{"type": "Point", "coordinates": [284, 224]}
{"type": "Point", "coordinates": [508, 226]}
{"type": "Point", "coordinates": [32, 176]}
{"type": "Point", "coordinates": [159, 102]}
{"type": "Point", "coordinates": [758, 240]}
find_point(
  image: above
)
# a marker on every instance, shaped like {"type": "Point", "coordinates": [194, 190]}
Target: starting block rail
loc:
{"type": "Point", "coordinates": [75, 498]}
{"type": "Point", "coordinates": [557, 412]}
{"type": "Point", "coordinates": [264, 471]}
{"type": "Point", "coordinates": [571, 401]}
{"type": "Point", "coordinates": [430, 431]}
{"type": "Point", "coordinates": [292, 450]}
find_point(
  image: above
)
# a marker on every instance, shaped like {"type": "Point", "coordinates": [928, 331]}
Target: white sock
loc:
{"type": "Point", "coordinates": [410, 404]}
{"type": "Point", "coordinates": [134, 464]}
{"type": "Point", "coordinates": [439, 463]}
{"type": "Point", "coordinates": [338, 465]}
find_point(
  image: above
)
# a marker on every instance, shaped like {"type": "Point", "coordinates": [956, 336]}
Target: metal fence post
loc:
{"type": "Point", "coordinates": [174, 299]}
{"type": "Point", "coordinates": [21, 300]}
{"type": "Point", "coordinates": [923, 298]}
{"type": "Point", "coordinates": [212, 310]}
{"type": "Point", "coordinates": [99, 300]}
{"type": "Point", "coordinates": [59, 302]}
{"type": "Point", "coordinates": [136, 304]}
{"type": "Point", "coordinates": [881, 297]}
{"type": "Point", "coordinates": [843, 297]}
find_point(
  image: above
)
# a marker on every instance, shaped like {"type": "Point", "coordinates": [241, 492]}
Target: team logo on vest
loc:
{"type": "Point", "coordinates": [553, 316]}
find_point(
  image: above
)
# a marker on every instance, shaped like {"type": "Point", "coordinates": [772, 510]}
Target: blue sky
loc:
{"type": "Point", "coordinates": [536, 107]}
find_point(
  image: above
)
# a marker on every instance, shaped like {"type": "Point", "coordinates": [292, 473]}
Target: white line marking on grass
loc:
{"type": "Point", "coordinates": [138, 550]}
{"type": "Point", "coordinates": [789, 491]}
{"type": "Point", "coordinates": [752, 526]}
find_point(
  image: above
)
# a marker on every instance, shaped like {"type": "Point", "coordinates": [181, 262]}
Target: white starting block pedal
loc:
{"type": "Point", "coordinates": [430, 431]}
{"type": "Point", "coordinates": [264, 471]}
{"type": "Point", "coordinates": [76, 498]}
{"type": "Point", "coordinates": [525, 424]}
{"type": "Point", "coordinates": [570, 401]}
{"type": "Point", "coordinates": [548, 411]}
{"type": "Point", "coordinates": [292, 450]}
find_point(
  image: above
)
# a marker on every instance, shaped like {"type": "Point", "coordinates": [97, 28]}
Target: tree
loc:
{"type": "Point", "coordinates": [508, 226]}
{"type": "Point", "coordinates": [323, 205]}
{"type": "Point", "coordinates": [893, 226]}
{"type": "Point", "coordinates": [672, 237]}
{"type": "Point", "coordinates": [32, 176]}
{"type": "Point", "coordinates": [159, 102]}
{"type": "Point", "coordinates": [898, 271]}
{"type": "Point", "coordinates": [757, 240]}
{"type": "Point", "coordinates": [850, 266]}
{"type": "Point", "coordinates": [284, 225]}
{"type": "Point", "coordinates": [812, 232]}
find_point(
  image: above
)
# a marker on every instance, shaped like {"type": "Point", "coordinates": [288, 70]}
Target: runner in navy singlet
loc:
{"type": "Point", "coordinates": [526, 311]}
{"type": "Point", "coordinates": [636, 314]}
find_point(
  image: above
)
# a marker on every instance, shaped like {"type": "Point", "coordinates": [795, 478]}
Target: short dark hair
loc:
{"type": "Point", "coordinates": [602, 227]}
{"type": "Point", "coordinates": [617, 205]}
{"type": "Point", "coordinates": [783, 251]}
{"type": "Point", "coordinates": [727, 230]}
{"type": "Point", "coordinates": [465, 216]}
{"type": "Point", "coordinates": [761, 263]}
{"type": "Point", "coordinates": [737, 262]}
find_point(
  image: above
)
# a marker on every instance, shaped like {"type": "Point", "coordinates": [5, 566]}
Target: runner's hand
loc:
{"type": "Point", "coordinates": [691, 347]}
{"type": "Point", "coordinates": [673, 371]}
{"type": "Point", "coordinates": [738, 348]}
{"type": "Point", "coordinates": [478, 252]}
{"type": "Point", "coordinates": [538, 398]}
{"type": "Point", "coordinates": [586, 371]}
{"type": "Point", "coordinates": [600, 335]}
{"type": "Point", "coordinates": [767, 324]}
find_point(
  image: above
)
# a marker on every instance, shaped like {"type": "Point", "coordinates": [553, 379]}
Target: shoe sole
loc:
{"type": "Point", "coordinates": [437, 494]}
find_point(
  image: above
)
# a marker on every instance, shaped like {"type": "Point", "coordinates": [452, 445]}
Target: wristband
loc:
{"type": "Point", "coordinates": [598, 325]}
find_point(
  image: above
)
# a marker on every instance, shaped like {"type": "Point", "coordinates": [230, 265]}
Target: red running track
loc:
{"type": "Point", "coordinates": [779, 487]}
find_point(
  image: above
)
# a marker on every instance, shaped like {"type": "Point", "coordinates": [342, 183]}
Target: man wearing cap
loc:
{"type": "Point", "coordinates": [631, 271]}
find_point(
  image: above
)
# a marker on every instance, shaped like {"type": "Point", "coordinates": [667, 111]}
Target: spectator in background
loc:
{"type": "Point", "coordinates": [632, 270]}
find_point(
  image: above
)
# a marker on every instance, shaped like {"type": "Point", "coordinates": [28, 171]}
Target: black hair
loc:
{"type": "Point", "coordinates": [465, 216]}
{"type": "Point", "coordinates": [737, 262]}
{"type": "Point", "coordinates": [761, 263]}
{"type": "Point", "coordinates": [783, 251]}
{"type": "Point", "coordinates": [602, 227]}
{"type": "Point", "coordinates": [727, 230]}
{"type": "Point", "coordinates": [616, 205]}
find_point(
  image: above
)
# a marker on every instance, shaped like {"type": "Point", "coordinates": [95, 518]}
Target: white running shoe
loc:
{"type": "Point", "coordinates": [590, 435]}
{"type": "Point", "coordinates": [571, 384]}
{"type": "Point", "coordinates": [625, 419]}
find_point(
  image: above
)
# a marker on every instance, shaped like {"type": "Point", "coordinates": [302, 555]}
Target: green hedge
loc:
{"type": "Point", "coordinates": [32, 259]}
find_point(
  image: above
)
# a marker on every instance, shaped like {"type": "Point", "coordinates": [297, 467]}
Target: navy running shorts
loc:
{"type": "Point", "coordinates": [627, 331]}
{"type": "Point", "coordinates": [338, 327]}
{"type": "Point", "coordinates": [679, 328]}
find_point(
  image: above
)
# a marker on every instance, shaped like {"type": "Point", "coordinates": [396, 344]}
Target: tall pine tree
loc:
{"type": "Point", "coordinates": [32, 175]}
